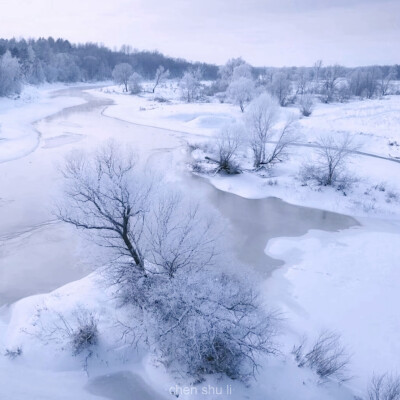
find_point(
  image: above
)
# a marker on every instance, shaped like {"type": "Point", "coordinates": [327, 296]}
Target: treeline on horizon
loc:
{"type": "Point", "coordinates": [36, 61]}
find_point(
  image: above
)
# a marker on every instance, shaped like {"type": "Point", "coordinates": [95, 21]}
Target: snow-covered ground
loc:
{"type": "Point", "coordinates": [344, 281]}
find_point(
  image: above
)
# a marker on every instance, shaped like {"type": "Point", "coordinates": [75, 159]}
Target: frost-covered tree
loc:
{"type": "Point", "coordinates": [384, 387]}
{"type": "Point", "coordinates": [330, 83]}
{"type": "Point", "coordinates": [242, 71]}
{"type": "Point", "coordinates": [66, 68]}
{"type": "Point", "coordinates": [281, 88]}
{"type": "Point", "coordinates": [241, 92]}
{"type": "Point", "coordinates": [10, 75]}
{"type": "Point", "coordinates": [166, 269]}
{"type": "Point", "coordinates": [333, 153]}
{"type": "Point", "coordinates": [386, 80]}
{"type": "Point", "coordinates": [121, 74]}
{"type": "Point", "coordinates": [303, 81]}
{"type": "Point", "coordinates": [229, 140]}
{"type": "Point", "coordinates": [261, 116]}
{"type": "Point", "coordinates": [190, 85]}
{"type": "Point", "coordinates": [135, 83]}
{"type": "Point", "coordinates": [160, 76]}
{"type": "Point", "coordinates": [226, 71]}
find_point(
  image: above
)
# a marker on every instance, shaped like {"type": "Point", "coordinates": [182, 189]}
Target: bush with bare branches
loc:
{"type": "Point", "coordinates": [384, 387]}
{"type": "Point", "coordinates": [333, 153]}
{"type": "Point", "coordinates": [306, 104]}
{"type": "Point", "coordinates": [326, 356]}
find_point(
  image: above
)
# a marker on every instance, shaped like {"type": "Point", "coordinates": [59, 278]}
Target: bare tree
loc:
{"type": "Point", "coordinates": [161, 75]}
{"type": "Point", "coordinates": [229, 139]}
{"type": "Point", "coordinates": [303, 81]}
{"type": "Point", "coordinates": [241, 92]}
{"type": "Point", "coordinates": [330, 83]}
{"type": "Point", "coordinates": [317, 70]}
{"type": "Point", "coordinates": [385, 81]}
{"type": "Point", "coordinates": [168, 268]}
{"type": "Point", "coordinates": [262, 115]}
{"type": "Point", "coordinates": [121, 74]}
{"type": "Point", "coordinates": [384, 387]}
{"type": "Point", "coordinates": [333, 153]}
{"type": "Point", "coordinates": [106, 196]}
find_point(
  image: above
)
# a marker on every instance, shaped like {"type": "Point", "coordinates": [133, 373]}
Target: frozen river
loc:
{"type": "Point", "coordinates": [38, 254]}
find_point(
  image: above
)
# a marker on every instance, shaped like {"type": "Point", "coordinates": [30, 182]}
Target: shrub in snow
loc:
{"type": "Point", "coordinates": [384, 387]}
{"type": "Point", "coordinates": [135, 83]}
{"type": "Point", "coordinates": [326, 356]}
{"type": "Point", "coordinates": [164, 254]}
{"type": "Point", "coordinates": [13, 353]}
{"type": "Point", "coordinates": [78, 332]}
{"type": "Point", "coordinates": [306, 104]}
{"type": "Point", "coordinates": [214, 326]}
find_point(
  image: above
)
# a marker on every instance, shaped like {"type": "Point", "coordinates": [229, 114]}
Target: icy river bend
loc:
{"type": "Point", "coordinates": [37, 254]}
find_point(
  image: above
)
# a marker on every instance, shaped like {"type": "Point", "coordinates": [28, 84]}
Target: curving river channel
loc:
{"type": "Point", "coordinates": [37, 254]}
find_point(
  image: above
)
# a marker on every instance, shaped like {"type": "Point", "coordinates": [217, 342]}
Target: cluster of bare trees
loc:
{"type": "Point", "coordinates": [261, 133]}
{"type": "Point", "coordinates": [165, 266]}
{"type": "Point", "coordinates": [123, 74]}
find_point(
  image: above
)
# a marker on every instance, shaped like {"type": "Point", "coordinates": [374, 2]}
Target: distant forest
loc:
{"type": "Point", "coordinates": [58, 60]}
{"type": "Point", "coordinates": [35, 61]}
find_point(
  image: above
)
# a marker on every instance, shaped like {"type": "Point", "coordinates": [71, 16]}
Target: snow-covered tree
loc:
{"type": "Point", "coordinates": [160, 76]}
{"type": "Point", "coordinates": [281, 88]}
{"type": "Point", "coordinates": [262, 115]}
{"type": "Point", "coordinates": [226, 71]}
{"type": "Point", "coordinates": [333, 153]}
{"type": "Point", "coordinates": [166, 268]}
{"type": "Point", "coordinates": [261, 119]}
{"type": "Point", "coordinates": [242, 71]}
{"type": "Point", "coordinates": [190, 85]}
{"type": "Point", "coordinates": [10, 75]}
{"type": "Point", "coordinates": [330, 83]}
{"type": "Point", "coordinates": [386, 80]}
{"type": "Point", "coordinates": [121, 74]}
{"type": "Point", "coordinates": [135, 83]}
{"type": "Point", "coordinates": [241, 92]}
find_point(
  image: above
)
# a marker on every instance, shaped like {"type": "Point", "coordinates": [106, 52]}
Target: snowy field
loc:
{"type": "Point", "coordinates": [344, 280]}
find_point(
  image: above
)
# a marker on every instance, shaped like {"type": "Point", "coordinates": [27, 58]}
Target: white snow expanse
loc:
{"type": "Point", "coordinates": [345, 281]}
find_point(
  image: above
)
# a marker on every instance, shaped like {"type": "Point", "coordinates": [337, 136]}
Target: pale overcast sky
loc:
{"type": "Point", "coordinates": [264, 32]}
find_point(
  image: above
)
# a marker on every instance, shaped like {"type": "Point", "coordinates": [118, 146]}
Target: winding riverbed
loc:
{"type": "Point", "coordinates": [38, 254]}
